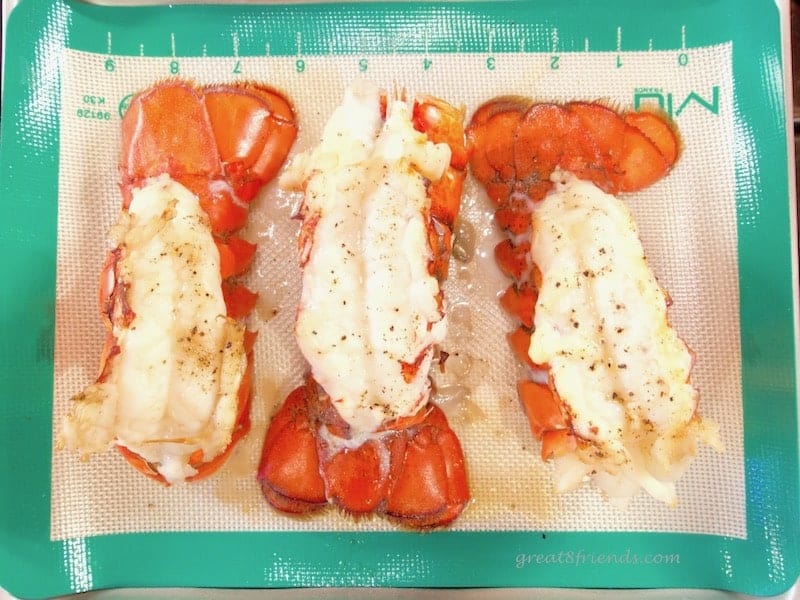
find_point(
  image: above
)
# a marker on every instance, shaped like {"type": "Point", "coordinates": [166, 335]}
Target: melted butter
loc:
{"type": "Point", "coordinates": [173, 386]}
{"type": "Point", "coordinates": [601, 325]}
{"type": "Point", "coordinates": [368, 303]}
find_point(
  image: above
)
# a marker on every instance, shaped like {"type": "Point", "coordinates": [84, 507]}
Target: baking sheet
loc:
{"type": "Point", "coordinates": [443, 558]}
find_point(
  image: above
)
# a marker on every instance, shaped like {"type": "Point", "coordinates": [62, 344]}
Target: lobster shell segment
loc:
{"type": "Point", "coordinates": [606, 387]}
{"type": "Point", "coordinates": [173, 393]}
{"type": "Point", "coordinates": [382, 195]}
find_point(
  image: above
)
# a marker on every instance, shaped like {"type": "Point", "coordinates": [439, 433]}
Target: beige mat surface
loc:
{"type": "Point", "coordinates": [687, 223]}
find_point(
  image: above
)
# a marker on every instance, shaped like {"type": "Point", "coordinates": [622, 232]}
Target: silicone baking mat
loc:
{"type": "Point", "coordinates": [717, 231]}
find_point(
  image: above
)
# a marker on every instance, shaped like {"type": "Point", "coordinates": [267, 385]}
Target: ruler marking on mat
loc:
{"type": "Point", "coordinates": [401, 40]}
{"type": "Point", "coordinates": [522, 41]}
